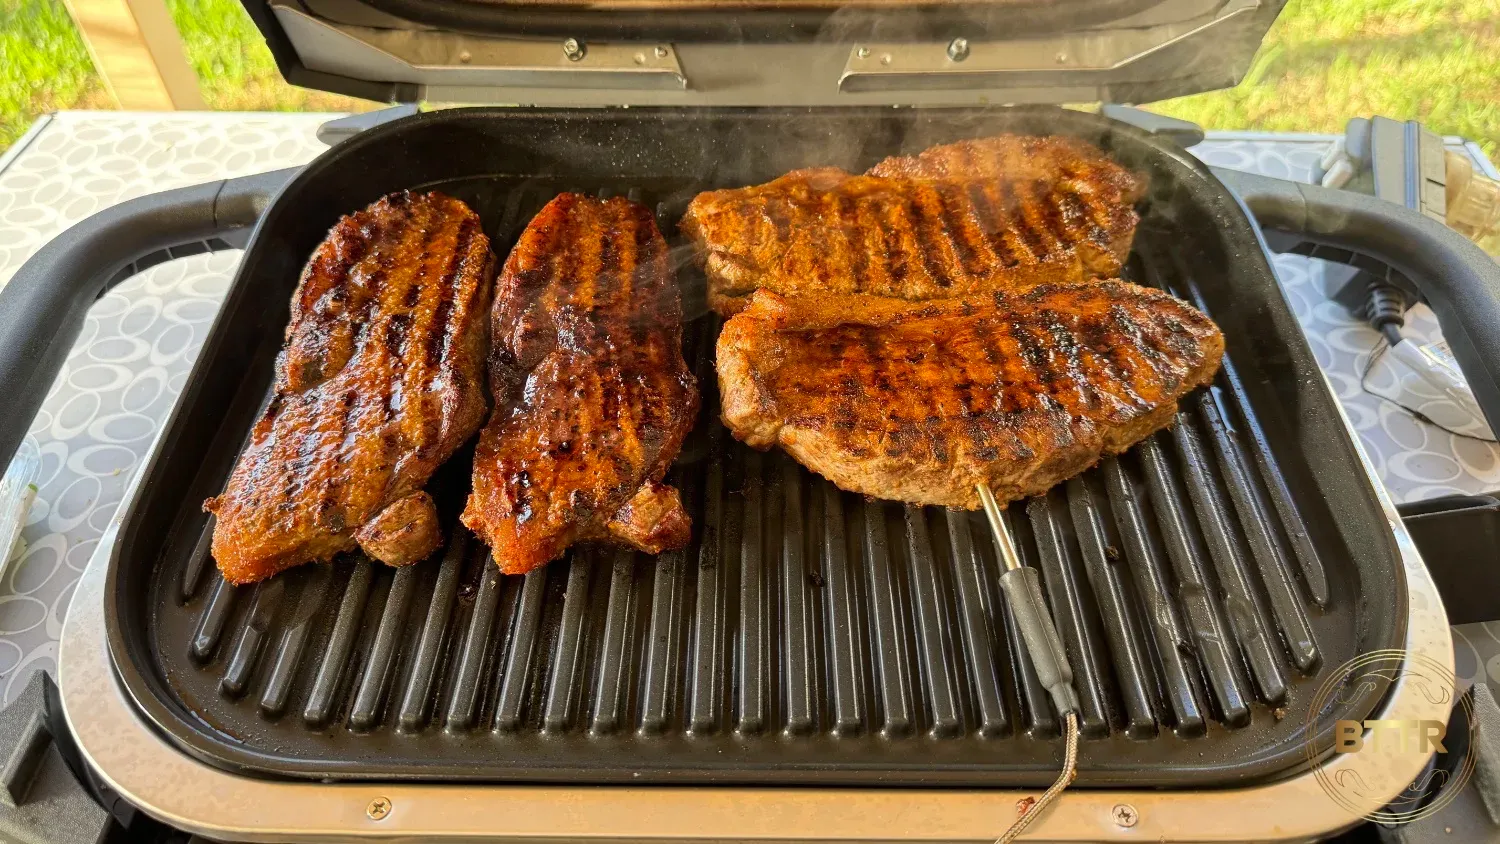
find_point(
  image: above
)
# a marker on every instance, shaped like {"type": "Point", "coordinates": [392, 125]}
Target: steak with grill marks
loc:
{"type": "Point", "coordinates": [592, 396]}
{"type": "Point", "coordinates": [1000, 213]}
{"type": "Point", "coordinates": [379, 381]}
{"type": "Point", "coordinates": [921, 402]}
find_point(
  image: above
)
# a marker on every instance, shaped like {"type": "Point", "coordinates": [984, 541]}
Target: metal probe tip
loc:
{"type": "Point", "coordinates": [1003, 540]}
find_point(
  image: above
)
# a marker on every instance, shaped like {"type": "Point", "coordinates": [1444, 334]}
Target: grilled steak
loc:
{"type": "Point", "coordinates": [380, 380]}
{"type": "Point", "coordinates": [1001, 213]}
{"type": "Point", "coordinates": [592, 396]}
{"type": "Point", "coordinates": [921, 402]}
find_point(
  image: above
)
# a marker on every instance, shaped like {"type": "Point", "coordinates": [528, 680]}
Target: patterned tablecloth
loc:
{"type": "Point", "coordinates": [139, 341]}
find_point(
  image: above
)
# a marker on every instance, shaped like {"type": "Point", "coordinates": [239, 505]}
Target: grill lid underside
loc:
{"type": "Point", "coordinates": [776, 53]}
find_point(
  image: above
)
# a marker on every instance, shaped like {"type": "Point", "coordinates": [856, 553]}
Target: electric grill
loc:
{"type": "Point", "coordinates": [814, 665]}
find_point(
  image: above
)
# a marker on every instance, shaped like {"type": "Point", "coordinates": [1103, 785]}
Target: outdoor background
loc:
{"type": "Point", "coordinates": [1323, 62]}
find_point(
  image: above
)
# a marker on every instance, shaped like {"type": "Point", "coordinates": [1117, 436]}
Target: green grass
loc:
{"type": "Point", "coordinates": [1323, 62]}
{"type": "Point", "coordinates": [43, 64]}
{"type": "Point", "coordinates": [235, 69]}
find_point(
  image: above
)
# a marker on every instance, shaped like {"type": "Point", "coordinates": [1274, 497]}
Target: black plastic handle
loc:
{"type": "Point", "coordinates": [1459, 281]}
{"type": "Point", "coordinates": [43, 306]}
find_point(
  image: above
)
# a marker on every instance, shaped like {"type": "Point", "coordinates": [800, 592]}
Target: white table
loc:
{"type": "Point", "coordinates": [140, 340]}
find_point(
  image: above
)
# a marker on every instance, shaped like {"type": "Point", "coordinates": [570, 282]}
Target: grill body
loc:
{"type": "Point", "coordinates": [1204, 583]}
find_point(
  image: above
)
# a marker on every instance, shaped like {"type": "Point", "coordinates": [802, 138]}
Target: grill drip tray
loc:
{"type": "Point", "coordinates": [807, 635]}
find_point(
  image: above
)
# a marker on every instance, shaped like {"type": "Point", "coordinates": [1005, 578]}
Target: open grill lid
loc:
{"type": "Point", "coordinates": [764, 52]}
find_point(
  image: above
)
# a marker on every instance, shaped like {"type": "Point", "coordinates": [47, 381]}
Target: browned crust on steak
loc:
{"type": "Point", "coordinates": [922, 402]}
{"type": "Point", "coordinates": [380, 380]}
{"type": "Point", "coordinates": [593, 398]}
{"type": "Point", "coordinates": [1001, 213]}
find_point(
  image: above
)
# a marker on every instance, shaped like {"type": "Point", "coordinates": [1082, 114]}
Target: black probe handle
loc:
{"type": "Point", "coordinates": [1459, 281]}
{"type": "Point", "coordinates": [43, 306]}
{"type": "Point", "coordinates": [1023, 594]}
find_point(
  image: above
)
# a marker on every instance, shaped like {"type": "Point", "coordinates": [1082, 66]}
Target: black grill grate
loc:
{"type": "Point", "coordinates": [807, 635]}
{"type": "Point", "coordinates": [1162, 566]}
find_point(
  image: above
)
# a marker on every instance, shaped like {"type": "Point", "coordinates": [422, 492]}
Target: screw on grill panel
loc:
{"type": "Point", "coordinates": [1125, 815]}
{"type": "Point", "coordinates": [661, 52]}
{"type": "Point", "coordinates": [574, 49]}
{"type": "Point", "coordinates": [378, 809]}
{"type": "Point", "coordinates": [958, 49]}
{"type": "Point", "coordinates": [863, 52]}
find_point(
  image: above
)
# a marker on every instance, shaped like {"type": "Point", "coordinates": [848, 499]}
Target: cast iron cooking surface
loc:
{"type": "Point", "coordinates": [1204, 583]}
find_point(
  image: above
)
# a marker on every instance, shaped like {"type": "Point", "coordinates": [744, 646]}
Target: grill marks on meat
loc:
{"type": "Point", "coordinates": [592, 396]}
{"type": "Point", "coordinates": [379, 382]}
{"type": "Point", "coordinates": [921, 402]}
{"type": "Point", "coordinates": [1001, 213]}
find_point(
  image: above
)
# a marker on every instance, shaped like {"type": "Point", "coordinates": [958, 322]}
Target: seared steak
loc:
{"type": "Point", "coordinates": [921, 402]}
{"type": "Point", "coordinates": [1001, 213]}
{"type": "Point", "coordinates": [379, 381]}
{"type": "Point", "coordinates": [592, 396]}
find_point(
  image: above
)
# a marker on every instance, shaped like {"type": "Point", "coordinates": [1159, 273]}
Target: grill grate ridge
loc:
{"type": "Point", "coordinates": [421, 683]}
{"type": "Point", "coordinates": [970, 576]}
{"type": "Point", "coordinates": [1173, 647]}
{"type": "Point", "coordinates": [1126, 651]}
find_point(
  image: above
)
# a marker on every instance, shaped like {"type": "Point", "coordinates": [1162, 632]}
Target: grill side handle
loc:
{"type": "Point", "coordinates": [1458, 279]}
{"type": "Point", "coordinates": [42, 307]}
